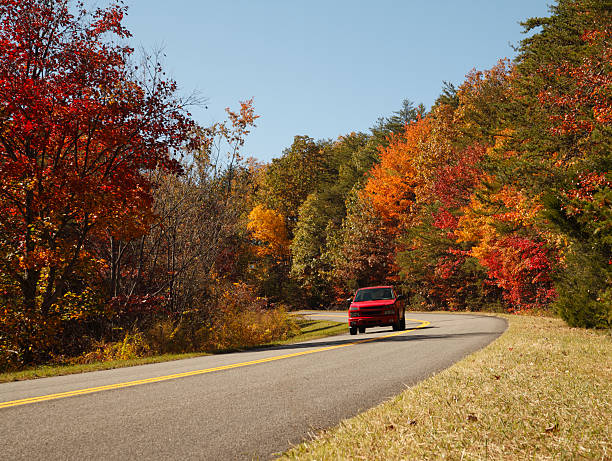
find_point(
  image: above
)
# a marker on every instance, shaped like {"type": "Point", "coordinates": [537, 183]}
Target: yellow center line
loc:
{"type": "Point", "coordinates": [91, 390]}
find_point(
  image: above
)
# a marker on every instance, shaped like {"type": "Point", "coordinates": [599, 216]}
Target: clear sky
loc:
{"type": "Point", "coordinates": [323, 68]}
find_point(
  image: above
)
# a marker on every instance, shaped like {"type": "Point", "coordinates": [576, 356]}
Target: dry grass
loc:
{"type": "Point", "coordinates": [313, 329]}
{"type": "Point", "coordinates": [541, 391]}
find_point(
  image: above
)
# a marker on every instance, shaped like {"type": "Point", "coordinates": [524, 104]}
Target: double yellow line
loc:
{"type": "Point", "coordinates": [91, 390]}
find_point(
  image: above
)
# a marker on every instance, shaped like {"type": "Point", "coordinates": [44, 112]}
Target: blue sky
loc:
{"type": "Point", "coordinates": [323, 68]}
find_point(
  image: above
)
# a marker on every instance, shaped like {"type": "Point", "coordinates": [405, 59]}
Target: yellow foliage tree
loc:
{"type": "Point", "coordinates": [269, 230]}
{"type": "Point", "coordinates": [480, 220]}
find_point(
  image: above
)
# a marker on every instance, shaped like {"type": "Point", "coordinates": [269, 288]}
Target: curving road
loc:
{"type": "Point", "coordinates": [247, 405]}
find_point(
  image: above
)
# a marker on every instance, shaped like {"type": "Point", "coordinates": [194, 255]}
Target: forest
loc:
{"type": "Point", "coordinates": [127, 229]}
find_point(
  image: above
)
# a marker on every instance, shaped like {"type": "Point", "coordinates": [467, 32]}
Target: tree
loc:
{"type": "Point", "coordinates": [363, 250]}
{"type": "Point", "coordinates": [562, 143]}
{"type": "Point", "coordinates": [268, 229]}
{"type": "Point", "coordinates": [292, 177]}
{"type": "Point", "coordinates": [322, 213]}
{"type": "Point", "coordinates": [78, 130]}
{"type": "Point", "coordinates": [435, 265]}
{"type": "Point", "coordinates": [396, 122]}
{"type": "Point", "coordinates": [391, 188]}
{"type": "Point", "coordinates": [198, 228]}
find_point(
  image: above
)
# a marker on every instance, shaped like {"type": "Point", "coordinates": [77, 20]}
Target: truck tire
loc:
{"type": "Point", "coordinates": [361, 329]}
{"type": "Point", "coordinates": [353, 330]}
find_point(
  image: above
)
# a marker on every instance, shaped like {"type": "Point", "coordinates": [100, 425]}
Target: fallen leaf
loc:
{"type": "Point", "coordinates": [472, 417]}
{"type": "Point", "coordinates": [552, 428]}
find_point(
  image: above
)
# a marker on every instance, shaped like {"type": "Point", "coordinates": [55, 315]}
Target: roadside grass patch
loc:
{"type": "Point", "coordinates": [314, 329]}
{"type": "Point", "coordinates": [541, 391]}
{"type": "Point", "coordinates": [309, 329]}
{"type": "Point", "coordinates": [45, 371]}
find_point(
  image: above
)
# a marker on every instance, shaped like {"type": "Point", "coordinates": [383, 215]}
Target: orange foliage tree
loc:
{"type": "Point", "coordinates": [269, 231]}
{"type": "Point", "coordinates": [392, 186]}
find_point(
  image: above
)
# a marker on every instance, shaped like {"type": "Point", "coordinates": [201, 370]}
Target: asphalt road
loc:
{"type": "Point", "coordinates": [247, 405]}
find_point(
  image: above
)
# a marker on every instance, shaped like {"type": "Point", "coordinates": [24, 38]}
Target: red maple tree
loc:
{"type": "Point", "coordinates": [79, 129]}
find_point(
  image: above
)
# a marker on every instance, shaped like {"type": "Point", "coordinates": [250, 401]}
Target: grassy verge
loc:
{"type": "Point", "coordinates": [541, 391]}
{"type": "Point", "coordinates": [46, 371]}
{"type": "Point", "coordinates": [309, 329]}
{"type": "Point", "coordinates": [313, 329]}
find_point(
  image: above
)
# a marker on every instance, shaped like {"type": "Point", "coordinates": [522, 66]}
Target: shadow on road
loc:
{"type": "Point", "coordinates": [409, 336]}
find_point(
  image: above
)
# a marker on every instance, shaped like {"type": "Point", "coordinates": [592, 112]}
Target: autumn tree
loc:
{"type": "Point", "coordinates": [269, 231]}
{"type": "Point", "coordinates": [282, 186]}
{"type": "Point", "coordinates": [290, 178]}
{"type": "Point", "coordinates": [497, 221]}
{"type": "Point", "coordinates": [269, 243]}
{"type": "Point", "coordinates": [322, 213]}
{"type": "Point", "coordinates": [362, 252]}
{"type": "Point", "coordinates": [78, 130]}
{"type": "Point", "coordinates": [391, 188]}
{"type": "Point", "coordinates": [436, 267]}
{"type": "Point", "coordinates": [561, 136]}
{"type": "Point", "coordinates": [197, 229]}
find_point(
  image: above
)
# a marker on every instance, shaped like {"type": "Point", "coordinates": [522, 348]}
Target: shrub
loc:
{"type": "Point", "coordinates": [585, 290]}
{"type": "Point", "coordinates": [244, 320]}
{"type": "Point", "coordinates": [133, 346]}
{"type": "Point", "coordinates": [251, 327]}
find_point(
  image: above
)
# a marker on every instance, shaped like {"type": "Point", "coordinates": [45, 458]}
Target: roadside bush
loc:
{"type": "Point", "coordinates": [188, 333]}
{"type": "Point", "coordinates": [243, 319]}
{"type": "Point", "coordinates": [251, 327]}
{"type": "Point", "coordinates": [231, 317]}
{"type": "Point", "coordinates": [585, 290]}
{"type": "Point", "coordinates": [133, 346]}
{"type": "Point", "coordinates": [25, 336]}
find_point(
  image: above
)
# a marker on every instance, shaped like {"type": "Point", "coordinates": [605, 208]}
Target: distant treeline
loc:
{"type": "Point", "coordinates": [498, 197]}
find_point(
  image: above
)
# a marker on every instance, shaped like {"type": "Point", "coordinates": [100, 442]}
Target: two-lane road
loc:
{"type": "Point", "coordinates": [246, 405]}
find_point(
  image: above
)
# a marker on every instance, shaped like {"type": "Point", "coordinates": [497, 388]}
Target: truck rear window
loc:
{"type": "Point", "coordinates": [373, 294]}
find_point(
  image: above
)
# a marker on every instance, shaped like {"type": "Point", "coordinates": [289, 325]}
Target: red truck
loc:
{"type": "Point", "coordinates": [376, 307]}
